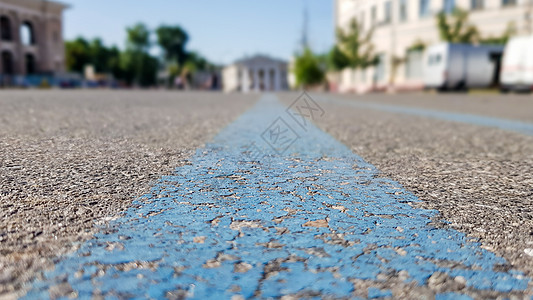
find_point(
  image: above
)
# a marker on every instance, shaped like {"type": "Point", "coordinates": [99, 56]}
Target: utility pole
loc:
{"type": "Point", "coordinates": [305, 40]}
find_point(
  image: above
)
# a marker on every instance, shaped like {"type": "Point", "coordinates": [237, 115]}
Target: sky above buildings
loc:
{"type": "Point", "coordinates": [223, 31]}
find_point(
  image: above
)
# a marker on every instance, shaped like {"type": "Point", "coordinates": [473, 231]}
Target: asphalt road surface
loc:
{"type": "Point", "coordinates": [203, 195]}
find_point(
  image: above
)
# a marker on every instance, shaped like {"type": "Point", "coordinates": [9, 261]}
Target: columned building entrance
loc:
{"type": "Point", "coordinates": [257, 73]}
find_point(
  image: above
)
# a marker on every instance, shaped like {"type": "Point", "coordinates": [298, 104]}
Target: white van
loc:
{"type": "Point", "coordinates": [445, 66]}
{"type": "Point", "coordinates": [517, 66]}
{"type": "Point", "coordinates": [461, 66]}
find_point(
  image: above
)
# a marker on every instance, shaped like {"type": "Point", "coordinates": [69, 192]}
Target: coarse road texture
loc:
{"type": "Point", "coordinates": [394, 210]}
{"type": "Point", "coordinates": [70, 160]}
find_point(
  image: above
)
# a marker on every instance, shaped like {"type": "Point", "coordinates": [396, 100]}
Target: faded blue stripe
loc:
{"type": "Point", "coordinates": [505, 124]}
{"type": "Point", "coordinates": [219, 225]}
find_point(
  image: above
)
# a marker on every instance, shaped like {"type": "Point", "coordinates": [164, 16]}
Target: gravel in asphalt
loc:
{"type": "Point", "coordinates": [73, 160]}
{"type": "Point", "coordinates": [479, 178]}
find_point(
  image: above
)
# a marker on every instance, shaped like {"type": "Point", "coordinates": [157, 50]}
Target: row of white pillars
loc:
{"type": "Point", "coordinates": [255, 76]}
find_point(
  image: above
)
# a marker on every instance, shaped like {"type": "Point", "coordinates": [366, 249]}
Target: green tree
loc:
{"type": "Point", "coordinates": [455, 28]}
{"type": "Point", "coordinates": [100, 56]}
{"type": "Point", "coordinates": [138, 38]}
{"type": "Point", "coordinates": [356, 45]}
{"type": "Point", "coordinates": [307, 70]}
{"type": "Point", "coordinates": [173, 40]}
{"type": "Point", "coordinates": [77, 54]}
{"type": "Point", "coordinates": [502, 39]}
{"type": "Point", "coordinates": [113, 61]}
{"type": "Point", "coordinates": [336, 59]}
{"type": "Point", "coordinates": [139, 66]}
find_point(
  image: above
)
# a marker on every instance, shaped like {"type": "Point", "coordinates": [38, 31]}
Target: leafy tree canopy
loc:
{"type": "Point", "coordinates": [307, 69]}
{"type": "Point", "coordinates": [356, 46]}
{"type": "Point", "coordinates": [173, 40]}
{"type": "Point", "coordinates": [455, 28]}
{"type": "Point", "coordinates": [138, 37]}
{"type": "Point", "coordinates": [337, 60]}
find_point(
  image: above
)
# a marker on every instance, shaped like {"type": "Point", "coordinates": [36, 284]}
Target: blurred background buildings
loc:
{"type": "Point", "coordinates": [403, 29]}
{"type": "Point", "coordinates": [31, 39]}
{"type": "Point", "coordinates": [379, 45]}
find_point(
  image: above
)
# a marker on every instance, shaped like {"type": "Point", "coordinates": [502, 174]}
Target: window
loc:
{"type": "Point", "coordinates": [413, 64]}
{"type": "Point", "coordinates": [477, 4]}
{"type": "Point", "coordinates": [449, 6]}
{"type": "Point", "coordinates": [373, 16]}
{"type": "Point", "coordinates": [27, 34]}
{"type": "Point", "coordinates": [403, 10]}
{"type": "Point", "coordinates": [424, 8]}
{"type": "Point", "coordinates": [388, 12]}
{"type": "Point", "coordinates": [380, 68]}
{"type": "Point", "coordinates": [5, 28]}
{"type": "Point", "coordinates": [508, 2]}
{"type": "Point", "coordinates": [434, 59]}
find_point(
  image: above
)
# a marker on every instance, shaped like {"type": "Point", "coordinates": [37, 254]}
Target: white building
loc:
{"type": "Point", "coordinates": [400, 24]}
{"type": "Point", "coordinates": [256, 73]}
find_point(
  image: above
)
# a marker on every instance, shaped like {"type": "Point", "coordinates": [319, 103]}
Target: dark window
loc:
{"type": "Point", "coordinates": [5, 28]}
{"type": "Point", "coordinates": [508, 2]}
{"type": "Point", "coordinates": [30, 64]}
{"type": "Point", "coordinates": [403, 10]}
{"type": "Point", "coordinates": [449, 6]}
{"type": "Point", "coordinates": [388, 12]}
{"type": "Point", "coordinates": [477, 4]}
{"type": "Point", "coordinates": [7, 63]}
{"type": "Point", "coordinates": [424, 8]}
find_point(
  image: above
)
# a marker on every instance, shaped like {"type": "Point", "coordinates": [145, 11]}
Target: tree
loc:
{"type": "Point", "coordinates": [173, 40]}
{"type": "Point", "coordinates": [502, 39]}
{"type": "Point", "coordinates": [336, 59]}
{"type": "Point", "coordinates": [100, 56]}
{"type": "Point", "coordinates": [307, 69]}
{"type": "Point", "coordinates": [138, 68]}
{"type": "Point", "coordinates": [138, 38]}
{"type": "Point", "coordinates": [356, 46]}
{"type": "Point", "coordinates": [455, 28]}
{"type": "Point", "coordinates": [77, 55]}
{"type": "Point", "coordinates": [141, 68]}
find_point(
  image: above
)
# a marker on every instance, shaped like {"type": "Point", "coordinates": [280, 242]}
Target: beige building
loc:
{"type": "Point", "coordinates": [400, 24]}
{"type": "Point", "coordinates": [31, 37]}
{"type": "Point", "coordinates": [256, 73]}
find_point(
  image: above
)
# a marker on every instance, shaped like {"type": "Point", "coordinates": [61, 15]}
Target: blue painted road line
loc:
{"type": "Point", "coordinates": [505, 124]}
{"type": "Point", "coordinates": [241, 219]}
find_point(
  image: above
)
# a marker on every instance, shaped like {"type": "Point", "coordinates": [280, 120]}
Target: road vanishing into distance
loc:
{"type": "Point", "coordinates": [151, 194]}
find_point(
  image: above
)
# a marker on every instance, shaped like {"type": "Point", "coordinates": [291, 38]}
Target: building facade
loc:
{"type": "Point", "coordinates": [399, 25]}
{"type": "Point", "coordinates": [31, 37]}
{"type": "Point", "coordinates": [256, 73]}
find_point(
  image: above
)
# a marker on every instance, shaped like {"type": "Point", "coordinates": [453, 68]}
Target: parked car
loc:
{"type": "Point", "coordinates": [517, 66]}
{"type": "Point", "coordinates": [461, 66]}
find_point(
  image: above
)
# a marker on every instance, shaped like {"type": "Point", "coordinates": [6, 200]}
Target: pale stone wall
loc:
{"type": "Point", "coordinates": [46, 21]}
{"type": "Point", "coordinates": [398, 35]}
{"type": "Point", "coordinates": [230, 78]}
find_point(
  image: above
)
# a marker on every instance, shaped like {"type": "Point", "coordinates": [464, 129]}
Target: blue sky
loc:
{"type": "Point", "coordinates": [222, 30]}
